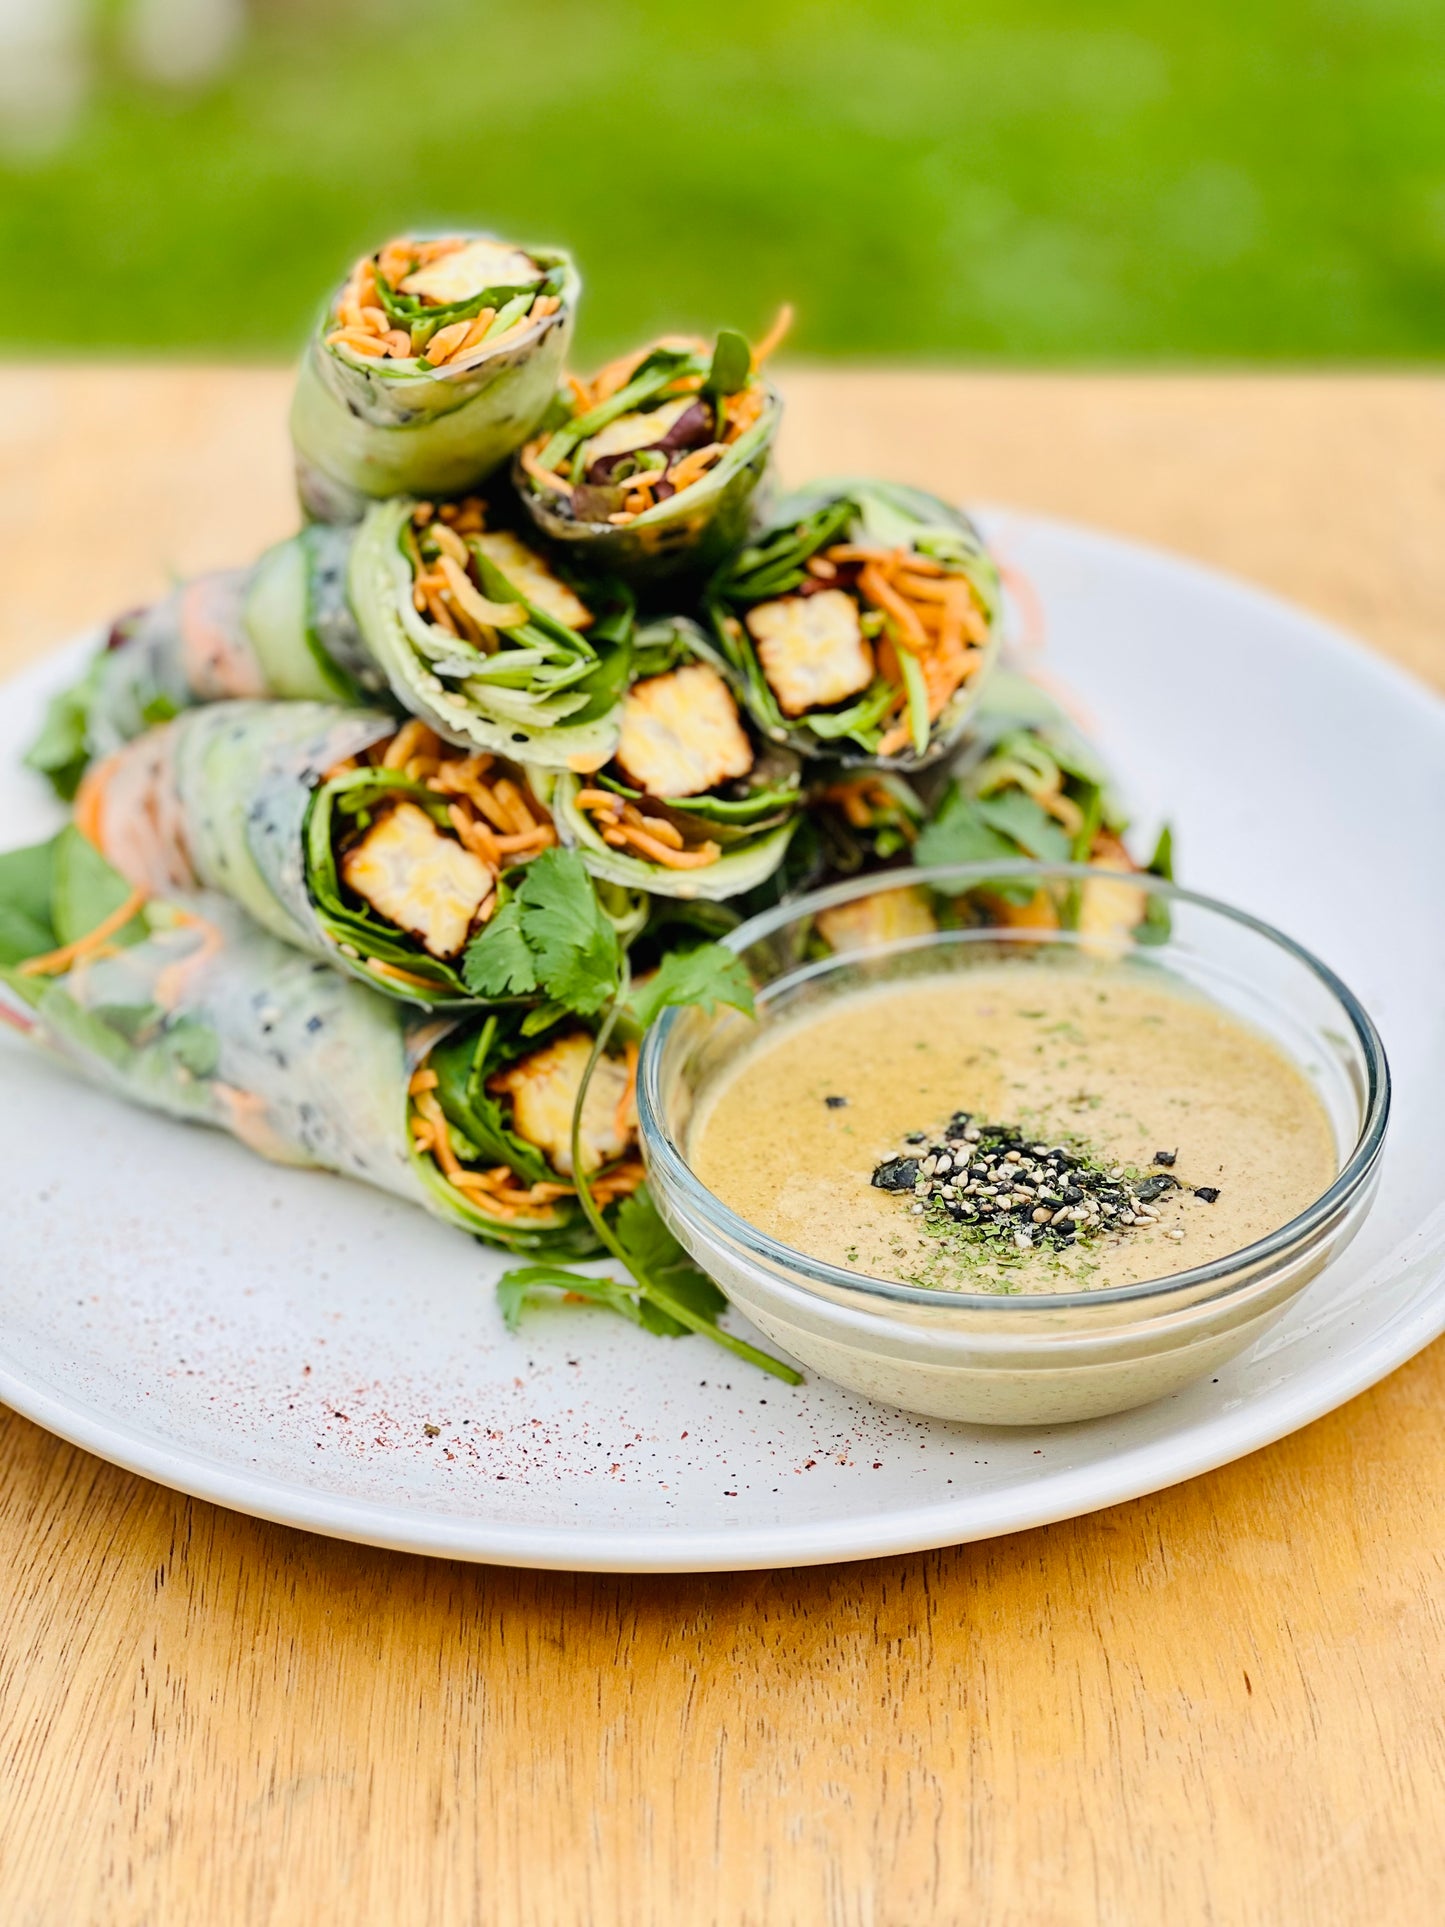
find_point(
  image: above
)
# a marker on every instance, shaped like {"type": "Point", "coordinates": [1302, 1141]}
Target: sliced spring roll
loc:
{"type": "Point", "coordinates": [862, 820]}
{"type": "Point", "coordinates": [692, 804]}
{"type": "Point", "coordinates": [861, 623]}
{"type": "Point", "coordinates": [1025, 784]}
{"type": "Point", "coordinates": [368, 614]}
{"type": "Point", "coordinates": [482, 639]}
{"type": "Point", "coordinates": [434, 361]}
{"type": "Point", "coordinates": [381, 850]}
{"type": "Point", "coordinates": [650, 468]}
{"type": "Point", "coordinates": [186, 1006]}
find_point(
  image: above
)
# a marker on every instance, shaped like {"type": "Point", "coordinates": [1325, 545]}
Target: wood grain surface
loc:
{"type": "Point", "coordinates": [1222, 1705]}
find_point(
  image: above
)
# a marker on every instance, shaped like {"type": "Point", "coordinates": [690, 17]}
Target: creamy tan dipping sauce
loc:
{"type": "Point", "coordinates": [1096, 1056]}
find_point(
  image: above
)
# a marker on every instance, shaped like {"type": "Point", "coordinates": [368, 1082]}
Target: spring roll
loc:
{"type": "Point", "coordinates": [861, 623]}
{"type": "Point", "coordinates": [650, 468]}
{"type": "Point", "coordinates": [484, 640]}
{"type": "Point", "coordinates": [387, 613]}
{"type": "Point", "coordinates": [379, 849]}
{"type": "Point", "coordinates": [187, 1007]}
{"type": "Point", "coordinates": [1026, 784]}
{"type": "Point", "coordinates": [693, 804]}
{"type": "Point", "coordinates": [433, 362]}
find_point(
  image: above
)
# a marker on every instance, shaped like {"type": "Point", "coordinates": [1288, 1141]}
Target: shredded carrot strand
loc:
{"type": "Point", "coordinates": [774, 337]}
{"type": "Point", "coordinates": [53, 962]}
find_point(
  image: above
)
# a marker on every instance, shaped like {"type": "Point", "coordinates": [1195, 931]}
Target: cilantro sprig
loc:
{"type": "Point", "coordinates": [551, 939]}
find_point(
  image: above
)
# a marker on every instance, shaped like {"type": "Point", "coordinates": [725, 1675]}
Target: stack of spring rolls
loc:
{"type": "Point", "coordinates": [528, 612]}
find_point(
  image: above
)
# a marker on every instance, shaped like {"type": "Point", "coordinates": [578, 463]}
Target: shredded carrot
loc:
{"type": "Point", "coordinates": [511, 800]}
{"type": "Point", "coordinates": [649, 846]}
{"type": "Point", "coordinates": [546, 476]}
{"type": "Point", "coordinates": [739, 412]}
{"type": "Point", "coordinates": [53, 962]}
{"type": "Point", "coordinates": [773, 338]}
{"type": "Point", "coordinates": [424, 1079]}
{"type": "Point", "coordinates": [395, 974]}
{"type": "Point", "coordinates": [658, 826]}
{"type": "Point", "coordinates": [445, 340]}
{"type": "Point", "coordinates": [475, 836]}
{"type": "Point", "coordinates": [408, 740]}
{"type": "Point", "coordinates": [624, 826]}
{"type": "Point", "coordinates": [446, 1157]}
{"type": "Point", "coordinates": [694, 465]}
{"type": "Point", "coordinates": [528, 843]}
{"type": "Point", "coordinates": [876, 586]}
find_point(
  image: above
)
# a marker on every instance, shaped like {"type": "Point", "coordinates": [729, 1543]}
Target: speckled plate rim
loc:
{"type": "Point", "coordinates": [1163, 1460]}
{"type": "Point", "coordinates": [1150, 1467]}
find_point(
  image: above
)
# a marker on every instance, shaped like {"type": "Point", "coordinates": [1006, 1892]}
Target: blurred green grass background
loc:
{"type": "Point", "coordinates": [1033, 180]}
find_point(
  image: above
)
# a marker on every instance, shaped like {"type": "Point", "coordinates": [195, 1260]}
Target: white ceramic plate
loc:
{"type": "Point", "coordinates": [280, 1341]}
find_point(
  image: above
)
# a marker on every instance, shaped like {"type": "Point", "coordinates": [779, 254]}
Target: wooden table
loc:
{"type": "Point", "coordinates": [1220, 1705]}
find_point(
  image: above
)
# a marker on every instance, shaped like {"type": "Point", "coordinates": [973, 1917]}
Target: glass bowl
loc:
{"type": "Point", "coordinates": [1036, 1358]}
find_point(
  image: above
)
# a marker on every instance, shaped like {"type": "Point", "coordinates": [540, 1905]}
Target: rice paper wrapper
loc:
{"type": "Point", "coordinates": [217, 800]}
{"type": "Point", "coordinates": [234, 1029]}
{"type": "Point", "coordinates": [692, 532]}
{"type": "Point", "coordinates": [367, 429]}
{"type": "Point", "coordinates": [281, 628]}
{"type": "Point", "coordinates": [212, 1020]}
{"type": "Point", "coordinates": [190, 647]}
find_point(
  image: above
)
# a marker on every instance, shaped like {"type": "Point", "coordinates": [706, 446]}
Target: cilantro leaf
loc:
{"type": "Point", "coordinates": [499, 962]}
{"type": "Point", "coordinates": [529, 1284]}
{"type": "Point", "coordinates": [707, 976]}
{"type": "Point", "coordinates": [671, 1297]}
{"type": "Point", "coordinates": [552, 937]}
{"type": "Point", "coordinates": [577, 954]}
{"type": "Point", "coordinates": [655, 1256]}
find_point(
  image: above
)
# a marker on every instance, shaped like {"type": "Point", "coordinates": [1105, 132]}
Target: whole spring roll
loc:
{"type": "Point", "coordinates": [377, 848]}
{"type": "Point", "coordinates": [692, 803]}
{"type": "Point", "coordinates": [393, 612]}
{"type": "Point", "coordinates": [861, 623]}
{"type": "Point", "coordinates": [433, 362]}
{"type": "Point", "coordinates": [185, 1006]}
{"type": "Point", "coordinates": [650, 468]}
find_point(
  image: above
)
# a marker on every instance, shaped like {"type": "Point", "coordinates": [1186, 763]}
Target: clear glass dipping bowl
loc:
{"type": "Point", "coordinates": [1037, 1358]}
